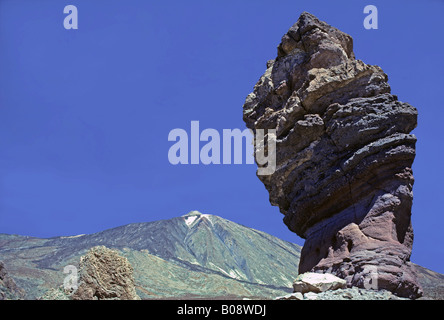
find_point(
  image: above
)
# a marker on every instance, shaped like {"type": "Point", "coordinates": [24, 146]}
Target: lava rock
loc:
{"type": "Point", "coordinates": [344, 154]}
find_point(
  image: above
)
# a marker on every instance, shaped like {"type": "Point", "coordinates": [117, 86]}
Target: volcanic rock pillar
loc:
{"type": "Point", "coordinates": [344, 153]}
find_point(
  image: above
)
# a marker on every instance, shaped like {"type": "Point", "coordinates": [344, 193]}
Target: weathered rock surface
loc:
{"type": "Point", "coordinates": [343, 154]}
{"type": "Point", "coordinates": [291, 296]}
{"type": "Point", "coordinates": [317, 282]}
{"type": "Point", "coordinates": [353, 293]}
{"type": "Point", "coordinates": [8, 287]}
{"type": "Point", "coordinates": [57, 294]}
{"type": "Point", "coordinates": [105, 275]}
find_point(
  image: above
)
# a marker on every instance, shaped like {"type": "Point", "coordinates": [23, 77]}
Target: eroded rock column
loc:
{"type": "Point", "coordinates": [344, 154]}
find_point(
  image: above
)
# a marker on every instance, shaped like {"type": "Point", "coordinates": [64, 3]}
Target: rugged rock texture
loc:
{"type": "Point", "coordinates": [317, 282]}
{"type": "Point", "coordinates": [353, 293]}
{"type": "Point", "coordinates": [344, 154]}
{"type": "Point", "coordinates": [57, 294]}
{"type": "Point", "coordinates": [8, 287]}
{"type": "Point", "coordinates": [105, 275]}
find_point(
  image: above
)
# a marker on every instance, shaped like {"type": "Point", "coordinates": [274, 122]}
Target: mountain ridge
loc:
{"type": "Point", "coordinates": [195, 242]}
{"type": "Point", "coordinates": [193, 256]}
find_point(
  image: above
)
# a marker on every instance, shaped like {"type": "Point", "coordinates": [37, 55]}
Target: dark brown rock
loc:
{"type": "Point", "coordinates": [344, 154]}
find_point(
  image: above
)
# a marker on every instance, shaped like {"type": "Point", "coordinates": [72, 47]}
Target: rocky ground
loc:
{"type": "Point", "coordinates": [321, 286]}
{"type": "Point", "coordinates": [345, 294]}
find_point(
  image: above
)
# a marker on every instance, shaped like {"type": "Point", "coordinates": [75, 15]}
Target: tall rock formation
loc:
{"type": "Point", "coordinates": [344, 153]}
{"type": "Point", "coordinates": [105, 275]}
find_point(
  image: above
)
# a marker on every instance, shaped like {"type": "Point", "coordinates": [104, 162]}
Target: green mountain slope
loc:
{"type": "Point", "coordinates": [195, 255]}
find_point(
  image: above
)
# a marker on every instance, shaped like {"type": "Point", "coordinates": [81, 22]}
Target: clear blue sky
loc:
{"type": "Point", "coordinates": [85, 114]}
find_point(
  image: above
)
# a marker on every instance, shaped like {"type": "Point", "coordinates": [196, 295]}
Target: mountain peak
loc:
{"type": "Point", "coordinates": [194, 216]}
{"type": "Point", "coordinates": [192, 213]}
{"type": "Point", "coordinates": [194, 254]}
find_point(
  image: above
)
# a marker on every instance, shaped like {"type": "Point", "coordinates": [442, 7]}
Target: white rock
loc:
{"type": "Point", "coordinates": [291, 296]}
{"type": "Point", "coordinates": [317, 282]}
{"type": "Point", "coordinates": [310, 296]}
